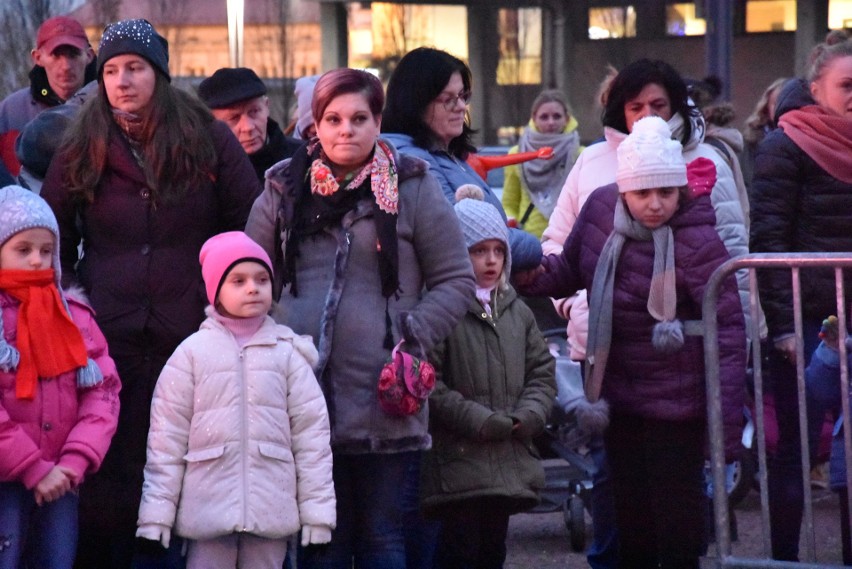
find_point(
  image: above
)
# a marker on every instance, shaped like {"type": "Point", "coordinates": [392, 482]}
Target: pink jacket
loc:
{"type": "Point", "coordinates": [62, 425]}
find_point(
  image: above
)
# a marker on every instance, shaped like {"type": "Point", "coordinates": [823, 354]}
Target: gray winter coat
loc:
{"type": "Point", "coordinates": [340, 302]}
{"type": "Point", "coordinates": [489, 366]}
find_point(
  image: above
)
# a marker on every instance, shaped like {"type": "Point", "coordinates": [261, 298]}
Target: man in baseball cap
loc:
{"type": "Point", "coordinates": [237, 97]}
{"type": "Point", "coordinates": [63, 62]}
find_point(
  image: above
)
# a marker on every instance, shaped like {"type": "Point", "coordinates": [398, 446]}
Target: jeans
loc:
{"type": "Point", "coordinates": [784, 469]}
{"type": "Point", "coordinates": [603, 551]}
{"type": "Point", "coordinates": [421, 535]}
{"type": "Point", "coordinates": [658, 485]}
{"type": "Point", "coordinates": [370, 490]}
{"type": "Point", "coordinates": [42, 537]}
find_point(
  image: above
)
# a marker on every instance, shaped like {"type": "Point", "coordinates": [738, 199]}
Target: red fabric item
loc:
{"type": "Point", "coordinates": [700, 177]}
{"type": "Point", "coordinates": [48, 340]}
{"type": "Point", "coordinates": [482, 164]}
{"type": "Point", "coordinates": [824, 136]}
{"type": "Point", "coordinates": [7, 152]}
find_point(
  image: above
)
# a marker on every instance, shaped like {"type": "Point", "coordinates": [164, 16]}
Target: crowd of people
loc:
{"type": "Point", "coordinates": [217, 336]}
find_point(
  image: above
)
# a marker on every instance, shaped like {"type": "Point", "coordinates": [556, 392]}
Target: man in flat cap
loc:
{"type": "Point", "coordinates": [63, 62]}
{"type": "Point", "coordinates": [237, 97]}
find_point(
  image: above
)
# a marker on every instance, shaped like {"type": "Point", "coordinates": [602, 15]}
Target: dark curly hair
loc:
{"type": "Point", "coordinates": [632, 79]}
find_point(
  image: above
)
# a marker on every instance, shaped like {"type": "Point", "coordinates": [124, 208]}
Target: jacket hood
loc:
{"type": "Point", "coordinates": [40, 87]}
{"type": "Point", "coordinates": [795, 94]}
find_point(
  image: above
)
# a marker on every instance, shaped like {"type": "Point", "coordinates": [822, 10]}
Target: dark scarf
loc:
{"type": "Point", "coordinates": [311, 213]}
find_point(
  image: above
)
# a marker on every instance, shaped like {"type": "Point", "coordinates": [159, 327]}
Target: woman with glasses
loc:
{"type": "Point", "coordinates": [426, 116]}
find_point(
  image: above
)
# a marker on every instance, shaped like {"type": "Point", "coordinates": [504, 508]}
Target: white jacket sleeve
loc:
{"type": "Point", "coordinates": [310, 432]}
{"type": "Point", "coordinates": [171, 415]}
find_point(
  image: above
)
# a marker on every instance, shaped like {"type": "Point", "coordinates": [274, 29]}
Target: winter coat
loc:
{"type": "Point", "coordinates": [596, 167]}
{"type": "Point", "coordinates": [796, 207]}
{"type": "Point", "coordinates": [516, 200]}
{"type": "Point", "coordinates": [638, 379]}
{"type": "Point", "coordinates": [22, 106]}
{"type": "Point", "coordinates": [487, 366]}
{"type": "Point", "coordinates": [239, 437]}
{"type": "Point", "coordinates": [340, 302]}
{"type": "Point", "coordinates": [278, 146]}
{"type": "Point", "coordinates": [140, 269]}
{"type": "Point", "coordinates": [452, 172]}
{"type": "Point", "coordinates": [63, 425]}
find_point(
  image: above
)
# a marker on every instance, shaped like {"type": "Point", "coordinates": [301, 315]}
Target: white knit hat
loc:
{"type": "Point", "coordinates": [649, 158]}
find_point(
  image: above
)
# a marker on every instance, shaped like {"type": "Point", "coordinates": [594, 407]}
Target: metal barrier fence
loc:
{"type": "Point", "coordinates": [753, 262]}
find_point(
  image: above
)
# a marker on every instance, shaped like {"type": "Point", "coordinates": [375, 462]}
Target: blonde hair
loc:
{"type": "Point", "coordinates": [836, 44]}
{"type": "Point", "coordinates": [759, 118]}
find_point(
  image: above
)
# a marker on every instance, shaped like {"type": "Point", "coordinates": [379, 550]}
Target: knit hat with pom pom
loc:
{"type": "Point", "coordinates": [649, 158]}
{"type": "Point", "coordinates": [480, 220]}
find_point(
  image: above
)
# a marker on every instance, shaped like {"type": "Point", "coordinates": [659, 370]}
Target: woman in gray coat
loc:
{"type": "Point", "coordinates": [369, 253]}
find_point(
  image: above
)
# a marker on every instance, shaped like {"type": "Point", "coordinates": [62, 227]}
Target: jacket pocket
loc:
{"type": "Point", "coordinates": [276, 452]}
{"type": "Point", "coordinates": [203, 454]}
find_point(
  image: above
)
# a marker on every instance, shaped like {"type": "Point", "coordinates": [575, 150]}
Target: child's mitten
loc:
{"type": "Point", "coordinates": [315, 535]}
{"type": "Point", "coordinates": [155, 532]}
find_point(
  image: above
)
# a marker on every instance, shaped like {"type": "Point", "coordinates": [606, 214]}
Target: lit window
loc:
{"type": "Point", "coordinates": [520, 34]}
{"type": "Point", "coordinates": [839, 14]}
{"type": "Point", "coordinates": [612, 22]}
{"type": "Point", "coordinates": [770, 15]}
{"type": "Point", "coordinates": [681, 20]}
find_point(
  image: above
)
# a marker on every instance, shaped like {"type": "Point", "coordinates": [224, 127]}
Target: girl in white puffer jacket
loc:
{"type": "Point", "coordinates": [238, 450]}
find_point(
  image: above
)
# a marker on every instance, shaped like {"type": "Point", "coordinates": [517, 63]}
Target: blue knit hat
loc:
{"type": "Point", "coordinates": [480, 221]}
{"type": "Point", "coordinates": [138, 37]}
{"type": "Point", "coordinates": [21, 209]}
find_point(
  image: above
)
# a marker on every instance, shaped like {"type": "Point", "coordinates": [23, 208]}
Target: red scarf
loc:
{"type": "Point", "coordinates": [48, 340]}
{"type": "Point", "coordinates": [824, 136]}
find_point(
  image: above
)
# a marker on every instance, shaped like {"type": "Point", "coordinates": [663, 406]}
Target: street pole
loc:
{"type": "Point", "coordinates": [719, 42]}
{"type": "Point", "coordinates": [235, 32]}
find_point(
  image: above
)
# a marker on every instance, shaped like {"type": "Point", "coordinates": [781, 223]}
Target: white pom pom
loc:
{"type": "Point", "coordinates": [668, 336]}
{"type": "Point", "coordinates": [469, 191]}
{"type": "Point", "coordinates": [651, 125]}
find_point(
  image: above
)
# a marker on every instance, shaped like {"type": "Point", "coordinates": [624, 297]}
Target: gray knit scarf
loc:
{"type": "Point", "coordinates": [543, 179]}
{"type": "Point", "coordinates": [662, 298]}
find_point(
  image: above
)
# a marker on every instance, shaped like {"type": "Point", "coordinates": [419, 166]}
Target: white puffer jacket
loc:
{"type": "Point", "coordinates": [239, 438]}
{"type": "Point", "coordinates": [596, 167]}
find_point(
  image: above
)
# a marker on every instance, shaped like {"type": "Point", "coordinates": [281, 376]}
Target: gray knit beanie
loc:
{"type": "Point", "coordinates": [21, 209]}
{"type": "Point", "coordinates": [304, 95]}
{"type": "Point", "coordinates": [480, 220]}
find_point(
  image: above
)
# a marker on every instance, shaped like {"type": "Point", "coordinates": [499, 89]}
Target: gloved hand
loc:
{"type": "Point", "coordinates": [315, 535]}
{"type": "Point", "coordinates": [497, 427]}
{"type": "Point", "coordinates": [526, 424]}
{"type": "Point", "coordinates": [155, 532]}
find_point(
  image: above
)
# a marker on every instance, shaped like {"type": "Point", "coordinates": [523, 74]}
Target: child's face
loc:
{"type": "Point", "coordinates": [246, 292]}
{"type": "Point", "coordinates": [28, 250]}
{"type": "Point", "coordinates": [653, 207]}
{"type": "Point", "coordinates": [488, 258]}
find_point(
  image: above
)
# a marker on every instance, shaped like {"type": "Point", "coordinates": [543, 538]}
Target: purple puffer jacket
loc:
{"type": "Point", "coordinates": [640, 380]}
{"type": "Point", "coordinates": [61, 425]}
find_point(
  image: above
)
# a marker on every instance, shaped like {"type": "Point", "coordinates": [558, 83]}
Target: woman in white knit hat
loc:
{"type": "Point", "coordinates": [645, 248]}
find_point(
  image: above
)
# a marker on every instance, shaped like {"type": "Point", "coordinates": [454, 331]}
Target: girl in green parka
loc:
{"type": "Point", "coordinates": [494, 391]}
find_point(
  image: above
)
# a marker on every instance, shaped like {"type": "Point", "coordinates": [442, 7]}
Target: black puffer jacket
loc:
{"type": "Point", "coordinates": [797, 207]}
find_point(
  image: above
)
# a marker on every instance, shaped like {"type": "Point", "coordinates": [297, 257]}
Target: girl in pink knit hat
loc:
{"type": "Point", "coordinates": [238, 450]}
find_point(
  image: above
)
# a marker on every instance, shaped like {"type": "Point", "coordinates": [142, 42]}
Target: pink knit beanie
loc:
{"type": "Point", "coordinates": [221, 252]}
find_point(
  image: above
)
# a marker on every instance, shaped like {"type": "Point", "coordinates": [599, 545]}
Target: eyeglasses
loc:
{"type": "Point", "coordinates": [449, 102]}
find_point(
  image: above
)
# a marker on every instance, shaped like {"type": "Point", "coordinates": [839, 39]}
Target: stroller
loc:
{"type": "Point", "coordinates": [568, 466]}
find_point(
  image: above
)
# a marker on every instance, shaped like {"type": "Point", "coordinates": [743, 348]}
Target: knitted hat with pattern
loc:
{"type": "Point", "coordinates": [222, 252]}
{"type": "Point", "coordinates": [137, 37]}
{"type": "Point", "coordinates": [21, 209]}
{"type": "Point", "coordinates": [648, 158]}
{"type": "Point", "coordinates": [304, 95]}
{"type": "Point", "coordinates": [480, 220]}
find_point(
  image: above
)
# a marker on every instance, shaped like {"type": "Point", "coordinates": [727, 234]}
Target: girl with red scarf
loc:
{"type": "Point", "coordinates": [58, 391]}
